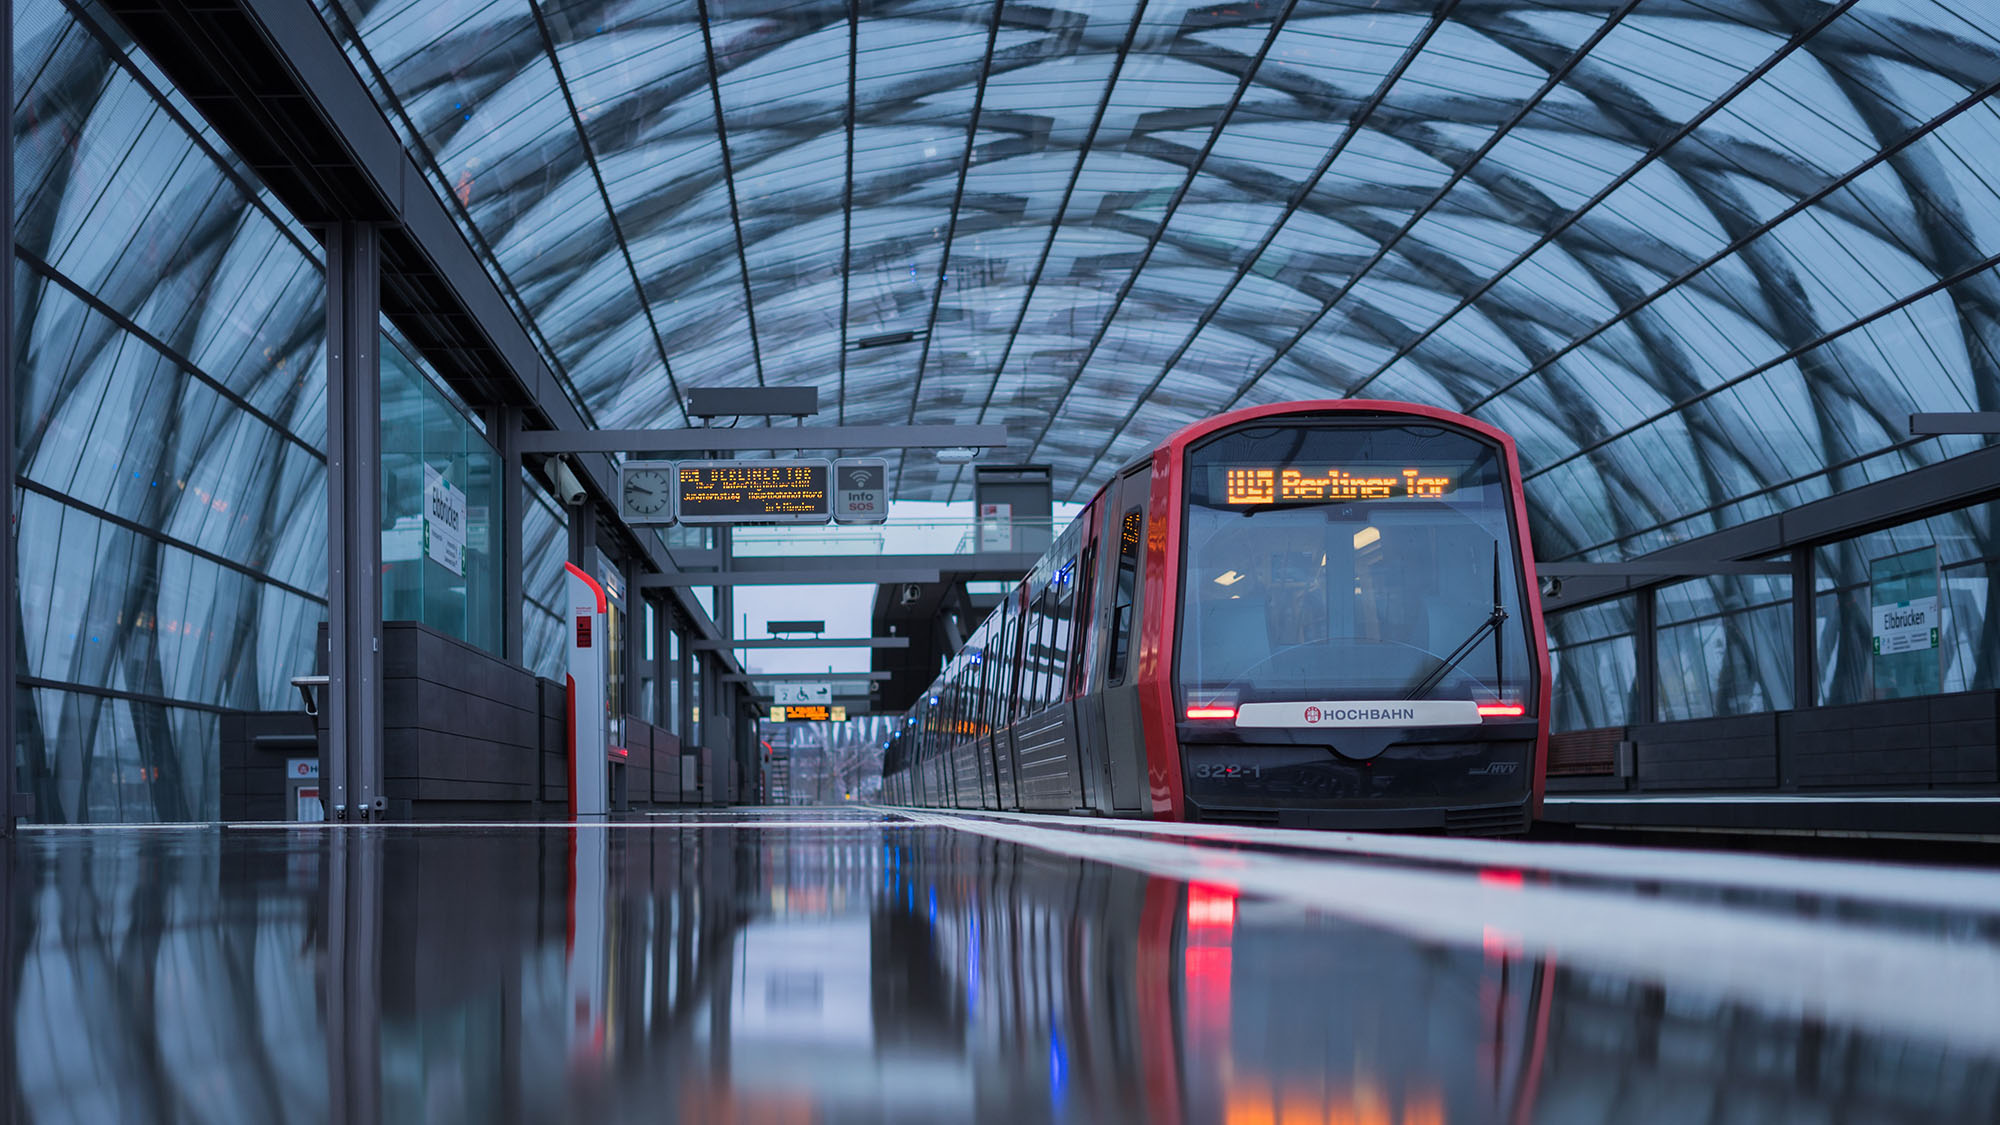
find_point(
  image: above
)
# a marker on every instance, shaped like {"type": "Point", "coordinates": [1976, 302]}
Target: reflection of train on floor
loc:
{"type": "Point", "coordinates": [1314, 614]}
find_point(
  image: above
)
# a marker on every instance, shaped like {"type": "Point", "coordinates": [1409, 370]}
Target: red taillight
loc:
{"type": "Point", "coordinates": [1502, 710]}
{"type": "Point", "coordinates": [1211, 712]}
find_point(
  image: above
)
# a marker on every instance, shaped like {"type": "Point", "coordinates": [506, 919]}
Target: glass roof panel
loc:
{"type": "Point", "coordinates": [1098, 221]}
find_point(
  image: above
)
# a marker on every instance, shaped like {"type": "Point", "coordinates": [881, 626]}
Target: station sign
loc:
{"type": "Point", "coordinates": [802, 694]}
{"type": "Point", "coordinates": [784, 491]}
{"type": "Point", "coordinates": [860, 490]}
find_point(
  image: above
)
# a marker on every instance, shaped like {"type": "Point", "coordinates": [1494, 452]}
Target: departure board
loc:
{"type": "Point", "coordinates": [793, 491]}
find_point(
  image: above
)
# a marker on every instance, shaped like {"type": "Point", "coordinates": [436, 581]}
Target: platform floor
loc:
{"type": "Point", "coordinates": [855, 965]}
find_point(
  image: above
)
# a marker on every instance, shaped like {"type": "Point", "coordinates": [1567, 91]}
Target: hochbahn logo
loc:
{"type": "Point", "coordinates": [1360, 714]}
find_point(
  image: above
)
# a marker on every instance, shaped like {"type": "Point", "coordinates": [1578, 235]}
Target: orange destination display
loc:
{"type": "Point", "coordinates": [790, 491]}
{"type": "Point", "coordinates": [1287, 484]}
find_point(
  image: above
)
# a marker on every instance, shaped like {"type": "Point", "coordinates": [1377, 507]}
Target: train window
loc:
{"type": "Point", "coordinates": [1038, 654]}
{"type": "Point", "coordinates": [1086, 583]}
{"type": "Point", "coordinates": [1351, 562]}
{"type": "Point", "coordinates": [1062, 601]}
{"type": "Point", "coordinates": [1010, 683]}
{"type": "Point", "coordinates": [1130, 535]}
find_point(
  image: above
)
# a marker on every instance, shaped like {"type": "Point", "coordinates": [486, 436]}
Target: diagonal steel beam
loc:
{"type": "Point", "coordinates": [729, 182]}
{"type": "Point", "coordinates": [951, 223]}
{"type": "Point", "coordinates": [1695, 121]}
{"type": "Point", "coordinates": [604, 195]}
{"type": "Point", "coordinates": [1055, 224]}
{"type": "Point", "coordinates": [1228, 111]}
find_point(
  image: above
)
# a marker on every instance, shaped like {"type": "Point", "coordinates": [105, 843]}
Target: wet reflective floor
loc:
{"type": "Point", "coordinates": [818, 965]}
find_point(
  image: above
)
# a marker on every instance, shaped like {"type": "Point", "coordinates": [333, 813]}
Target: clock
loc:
{"type": "Point", "coordinates": [646, 492]}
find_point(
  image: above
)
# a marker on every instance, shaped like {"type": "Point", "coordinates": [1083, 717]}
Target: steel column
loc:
{"type": "Point", "coordinates": [11, 803]}
{"type": "Point", "coordinates": [1805, 645]}
{"type": "Point", "coordinates": [504, 427]}
{"type": "Point", "coordinates": [583, 538]}
{"type": "Point", "coordinates": [633, 634]}
{"type": "Point", "coordinates": [1646, 653]}
{"type": "Point", "coordinates": [354, 522]}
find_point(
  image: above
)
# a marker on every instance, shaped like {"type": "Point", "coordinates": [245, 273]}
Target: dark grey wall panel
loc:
{"type": "Point", "coordinates": [1738, 752]}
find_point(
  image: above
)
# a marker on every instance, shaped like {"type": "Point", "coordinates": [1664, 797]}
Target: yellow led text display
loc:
{"type": "Point", "coordinates": [1280, 484]}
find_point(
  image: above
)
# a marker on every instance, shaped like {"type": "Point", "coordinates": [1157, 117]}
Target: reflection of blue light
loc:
{"type": "Point", "coordinates": [972, 966]}
{"type": "Point", "coordinates": [933, 906]}
{"type": "Point", "coordinates": [910, 896]}
{"type": "Point", "coordinates": [1058, 1068]}
{"type": "Point", "coordinates": [934, 700]}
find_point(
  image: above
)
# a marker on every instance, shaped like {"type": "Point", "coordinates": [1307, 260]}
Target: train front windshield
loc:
{"type": "Point", "coordinates": [1351, 561]}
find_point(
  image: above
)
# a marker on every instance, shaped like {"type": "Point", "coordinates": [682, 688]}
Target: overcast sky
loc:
{"type": "Point", "coordinates": [915, 527]}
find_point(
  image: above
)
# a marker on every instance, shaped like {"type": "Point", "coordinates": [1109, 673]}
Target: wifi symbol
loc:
{"type": "Point", "coordinates": [859, 478]}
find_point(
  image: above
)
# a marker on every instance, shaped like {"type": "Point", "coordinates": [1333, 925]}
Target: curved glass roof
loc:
{"type": "Point", "coordinates": [1701, 257]}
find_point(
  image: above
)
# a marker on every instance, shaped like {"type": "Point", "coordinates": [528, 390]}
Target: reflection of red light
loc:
{"type": "Point", "coordinates": [1502, 710]}
{"type": "Point", "coordinates": [1211, 712]}
{"type": "Point", "coordinates": [1210, 908]}
{"type": "Point", "coordinates": [1211, 927]}
{"type": "Point", "coordinates": [1499, 943]}
{"type": "Point", "coordinates": [1500, 877]}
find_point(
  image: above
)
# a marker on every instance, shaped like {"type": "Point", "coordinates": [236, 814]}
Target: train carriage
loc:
{"type": "Point", "coordinates": [1315, 614]}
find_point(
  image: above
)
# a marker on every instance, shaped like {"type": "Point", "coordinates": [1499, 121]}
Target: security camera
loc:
{"type": "Point", "coordinates": [1552, 587]}
{"type": "Point", "coordinates": [568, 488]}
{"type": "Point", "coordinates": [912, 593]}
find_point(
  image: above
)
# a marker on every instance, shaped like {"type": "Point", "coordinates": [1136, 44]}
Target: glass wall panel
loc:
{"type": "Point", "coordinates": [544, 548]}
{"type": "Point", "coordinates": [1968, 555]}
{"type": "Point", "coordinates": [169, 382]}
{"type": "Point", "coordinates": [1725, 646]}
{"type": "Point", "coordinates": [439, 494]}
{"type": "Point", "coordinates": [1593, 657]}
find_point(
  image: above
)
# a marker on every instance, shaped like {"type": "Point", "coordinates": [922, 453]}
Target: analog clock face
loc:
{"type": "Point", "coordinates": [648, 491]}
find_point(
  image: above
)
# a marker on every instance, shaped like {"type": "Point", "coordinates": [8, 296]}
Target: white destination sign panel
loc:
{"type": "Point", "coordinates": [1906, 627]}
{"type": "Point", "coordinates": [444, 521]}
{"type": "Point", "coordinates": [1361, 713]}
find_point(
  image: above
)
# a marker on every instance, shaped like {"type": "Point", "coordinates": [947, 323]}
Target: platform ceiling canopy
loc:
{"type": "Point", "coordinates": [1702, 257]}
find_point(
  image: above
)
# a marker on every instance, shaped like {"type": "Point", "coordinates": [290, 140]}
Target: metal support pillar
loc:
{"type": "Point", "coordinates": [503, 425]}
{"type": "Point", "coordinates": [632, 632]}
{"type": "Point", "coordinates": [583, 538]}
{"type": "Point", "coordinates": [1805, 646]}
{"type": "Point", "coordinates": [354, 522]}
{"type": "Point", "coordinates": [1646, 657]}
{"type": "Point", "coordinates": [11, 803]}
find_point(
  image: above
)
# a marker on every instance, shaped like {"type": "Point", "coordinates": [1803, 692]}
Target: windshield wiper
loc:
{"type": "Point", "coordinates": [1491, 625]}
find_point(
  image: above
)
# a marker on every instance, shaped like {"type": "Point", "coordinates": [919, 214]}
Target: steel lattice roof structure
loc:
{"type": "Point", "coordinates": [1702, 257]}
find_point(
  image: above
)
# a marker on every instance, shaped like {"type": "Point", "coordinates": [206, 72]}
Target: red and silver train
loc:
{"type": "Point", "coordinates": [1312, 614]}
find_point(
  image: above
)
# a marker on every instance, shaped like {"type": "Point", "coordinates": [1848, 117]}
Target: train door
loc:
{"type": "Point", "coordinates": [1093, 751]}
{"type": "Point", "coordinates": [1008, 630]}
{"type": "Point", "coordinates": [1124, 737]}
{"type": "Point", "coordinates": [1045, 739]}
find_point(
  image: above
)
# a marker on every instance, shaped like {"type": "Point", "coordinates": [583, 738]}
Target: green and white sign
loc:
{"type": "Point", "coordinates": [1908, 624]}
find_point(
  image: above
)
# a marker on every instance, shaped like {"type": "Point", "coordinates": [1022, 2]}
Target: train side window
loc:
{"type": "Point", "coordinates": [1130, 536]}
{"type": "Point", "coordinates": [1010, 687]}
{"type": "Point", "coordinates": [1086, 582]}
{"type": "Point", "coordinates": [1039, 649]}
{"type": "Point", "coordinates": [1061, 630]}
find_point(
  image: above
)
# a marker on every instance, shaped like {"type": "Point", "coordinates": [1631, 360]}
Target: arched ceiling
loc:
{"type": "Point", "coordinates": [1701, 257]}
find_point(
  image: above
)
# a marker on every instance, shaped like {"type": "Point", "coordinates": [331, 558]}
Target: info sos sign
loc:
{"type": "Point", "coordinates": [860, 490]}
